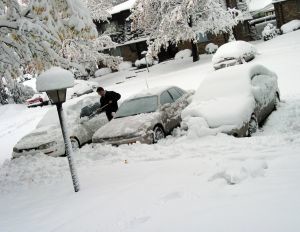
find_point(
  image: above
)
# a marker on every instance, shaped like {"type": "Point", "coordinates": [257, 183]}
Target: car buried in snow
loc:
{"type": "Point", "coordinates": [38, 99]}
{"type": "Point", "coordinates": [47, 137]}
{"type": "Point", "coordinates": [236, 100]}
{"type": "Point", "coordinates": [146, 117]}
{"type": "Point", "coordinates": [233, 53]}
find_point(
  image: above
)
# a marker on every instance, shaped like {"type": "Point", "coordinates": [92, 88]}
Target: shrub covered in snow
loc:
{"type": "Point", "coordinates": [183, 54]}
{"type": "Point", "coordinates": [142, 62]}
{"type": "Point", "coordinates": [270, 32]}
{"type": "Point", "coordinates": [125, 65]}
{"type": "Point", "coordinates": [290, 26]}
{"type": "Point", "coordinates": [211, 48]}
{"type": "Point", "coordinates": [102, 71]}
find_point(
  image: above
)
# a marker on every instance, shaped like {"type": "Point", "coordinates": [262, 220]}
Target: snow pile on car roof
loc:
{"type": "Point", "coordinates": [225, 98]}
{"type": "Point", "coordinates": [234, 49]}
{"type": "Point", "coordinates": [290, 26]}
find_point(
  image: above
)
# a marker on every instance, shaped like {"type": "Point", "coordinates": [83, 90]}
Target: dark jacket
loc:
{"type": "Point", "coordinates": [113, 107]}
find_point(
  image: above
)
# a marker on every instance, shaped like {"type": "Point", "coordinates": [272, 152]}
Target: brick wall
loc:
{"type": "Point", "coordinates": [286, 11]}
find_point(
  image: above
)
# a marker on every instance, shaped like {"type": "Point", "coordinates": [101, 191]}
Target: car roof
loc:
{"type": "Point", "coordinates": [156, 91]}
{"type": "Point", "coordinates": [231, 81]}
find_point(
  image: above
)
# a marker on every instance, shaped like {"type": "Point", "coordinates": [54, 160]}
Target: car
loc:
{"type": "Point", "coordinates": [236, 101]}
{"type": "Point", "coordinates": [38, 99]}
{"type": "Point", "coordinates": [82, 87]}
{"type": "Point", "coordinates": [233, 53]}
{"type": "Point", "coordinates": [146, 117]}
{"type": "Point", "coordinates": [47, 137]}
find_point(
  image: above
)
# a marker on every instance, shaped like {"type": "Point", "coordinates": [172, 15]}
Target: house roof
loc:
{"type": "Point", "coordinates": [257, 6]}
{"type": "Point", "coordinates": [122, 7]}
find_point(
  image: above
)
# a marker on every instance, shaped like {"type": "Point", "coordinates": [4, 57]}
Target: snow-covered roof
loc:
{"type": "Point", "coordinates": [150, 92]}
{"type": "Point", "coordinates": [256, 6]}
{"type": "Point", "coordinates": [122, 7]}
{"type": "Point", "coordinates": [54, 78]}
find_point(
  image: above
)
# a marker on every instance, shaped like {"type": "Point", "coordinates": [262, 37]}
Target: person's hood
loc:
{"type": "Point", "coordinates": [40, 136]}
{"type": "Point", "coordinates": [127, 126]}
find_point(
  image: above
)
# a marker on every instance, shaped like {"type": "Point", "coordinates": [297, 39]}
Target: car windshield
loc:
{"type": "Point", "coordinates": [138, 106]}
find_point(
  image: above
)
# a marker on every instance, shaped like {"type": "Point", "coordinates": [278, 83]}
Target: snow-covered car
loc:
{"type": "Point", "coordinates": [38, 99]}
{"type": "Point", "coordinates": [146, 117]}
{"type": "Point", "coordinates": [233, 53]}
{"type": "Point", "coordinates": [82, 87]}
{"type": "Point", "coordinates": [47, 137]}
{"type": "Point", "coordinates": [236, 101]}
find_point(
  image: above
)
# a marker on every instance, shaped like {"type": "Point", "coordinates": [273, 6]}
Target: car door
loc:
{"type": "Point", "coordinates": [178, 105]}
{"type": "Point", "coordinates": [90, 121]}
{"type": "Point", "coordinates": [165, 108]}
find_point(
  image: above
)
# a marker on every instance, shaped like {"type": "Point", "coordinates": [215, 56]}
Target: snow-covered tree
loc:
{"type": "Point", "coordinates": [173, 21]}
{"type": "Point", "coordinates": [38, 34]}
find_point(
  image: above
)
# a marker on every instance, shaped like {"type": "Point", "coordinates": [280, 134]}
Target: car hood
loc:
{"type": "Point", "coordinates": [233, 111]}
{"type": "Point", "coordinates": [132, 125]}
{"type": "Point", "coordinates": [40, 136]}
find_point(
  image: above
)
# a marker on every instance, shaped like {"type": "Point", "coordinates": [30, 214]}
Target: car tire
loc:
{"type": "Point", "coordinates": [158, 133]}
{"type": "Point", "coordinates": [75, 143]}
{"type": "Point", "coordinates": [252, 125]}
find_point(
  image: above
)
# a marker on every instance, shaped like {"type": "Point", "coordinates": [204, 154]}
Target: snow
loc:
{"type": "Point", "coordinates": [102, 71]}
{"type": "Point", "coordinates": [180, 184]}
{"type": "Point", "coordinates": [55, 78]}
{"type": "Point", "coordinates": [290, 26]}
{"type": "Point", "coordinates": [122, 7]}
{"type": "Point", "coordinates": [183, 54]}
{"type": "Point", "coordinates": [234, 49]}
{"type": "Point", "coordinates": [125, 65]}
{"type": "Point", "coordinates": [260, 5]}
{"type": "Point", "coordinates": [211, 48]}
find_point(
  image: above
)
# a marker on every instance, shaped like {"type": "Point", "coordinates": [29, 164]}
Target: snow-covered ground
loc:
{"type": "Point", "coordinates": [183, 183]}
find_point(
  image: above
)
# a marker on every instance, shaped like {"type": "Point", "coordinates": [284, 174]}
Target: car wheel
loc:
{"type": "Point", "coordinates": [74, 143]}
{"type": "Point", "coordinates": [252, 126]}
{"type": "Point", "coordinates": [158, 134]}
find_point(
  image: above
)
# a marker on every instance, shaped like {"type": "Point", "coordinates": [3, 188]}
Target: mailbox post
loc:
{"type": "Point", "coordinates": [55, 82]}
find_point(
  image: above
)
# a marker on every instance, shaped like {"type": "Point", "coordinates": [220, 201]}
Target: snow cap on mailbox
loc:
{"type": "Point", "coordinates": [55, 82]}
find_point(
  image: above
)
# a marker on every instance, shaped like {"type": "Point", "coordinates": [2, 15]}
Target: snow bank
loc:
{"type": "Point", "coordinates": [55, 78]}
{"type": "Point", "coordinates": [211, 48]}
{"type": "Point", "coordinates": [102, 71]}
{"type": "Point", "coordinates": [183, 54]}
{"type": "Point", "coordinates": [235, 49]}
{"type": "Point", "coordinates": [125, 65]}
{"type": "Point", "coordinates": [236, 172]}
{"type": "Point", "coordinates": [290, 26]}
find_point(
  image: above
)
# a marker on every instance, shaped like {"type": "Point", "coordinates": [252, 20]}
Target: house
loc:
{"type": "Point", "coordinates": [131, 45]}
{"type": "Point", "coordinates": [263, 13]}
{"type": "Point", "coordinates": [286, 10]}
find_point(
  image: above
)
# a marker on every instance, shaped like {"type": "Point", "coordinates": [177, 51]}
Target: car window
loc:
{"type": "Point", "coordinates": [89, 110]}
{"type": "Point", "coordinates": [165, 97]}
{"type": "Point", "coordinates": [137, 106]}
{"type": "Point", "coordinates": [174, 93]}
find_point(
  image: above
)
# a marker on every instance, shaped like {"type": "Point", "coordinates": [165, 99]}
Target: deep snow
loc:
{"type": "Point", "coordinates": [183, 183]}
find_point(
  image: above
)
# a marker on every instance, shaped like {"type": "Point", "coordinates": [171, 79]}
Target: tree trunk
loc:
{"type": "Point", "coordinates": [195, 52]}
{"type": "Point", "coordinates": [194, 45]}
